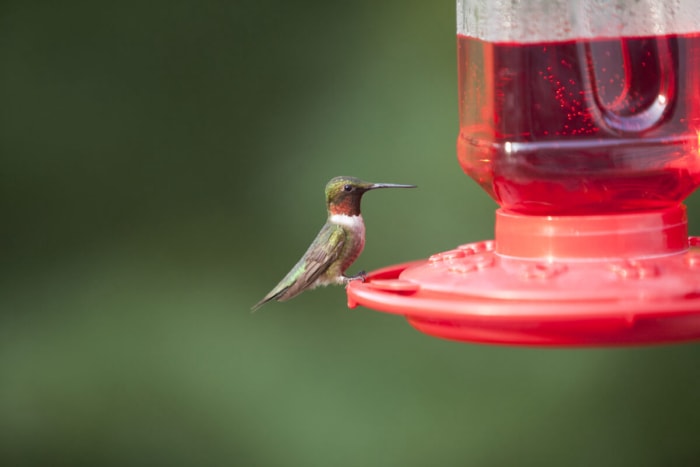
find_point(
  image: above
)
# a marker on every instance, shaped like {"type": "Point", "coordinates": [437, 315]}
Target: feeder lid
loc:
{"type": "Point", "coordinates": [553, 281]}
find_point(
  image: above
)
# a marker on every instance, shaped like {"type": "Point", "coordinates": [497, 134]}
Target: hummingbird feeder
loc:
{"type": "Point", "coordinates": [582, 120]}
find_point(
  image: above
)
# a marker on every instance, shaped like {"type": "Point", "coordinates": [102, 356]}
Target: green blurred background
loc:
{"type": "Point", "coordinates": [163, 166]}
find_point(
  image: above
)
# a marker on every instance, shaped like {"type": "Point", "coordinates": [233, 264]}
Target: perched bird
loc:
{"type": "Point", "coordinates": [336, 246]}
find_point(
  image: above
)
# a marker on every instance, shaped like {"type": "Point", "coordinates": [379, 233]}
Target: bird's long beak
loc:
{"type": "Point", "coordinates": [389, 185]}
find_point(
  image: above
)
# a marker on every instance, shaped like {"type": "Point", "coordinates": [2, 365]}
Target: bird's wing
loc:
{"type": "Point", "coordinates": [324, 250]}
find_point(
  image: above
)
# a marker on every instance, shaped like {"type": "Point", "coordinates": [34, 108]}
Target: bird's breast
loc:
{"type": "Point", "coordinates": [354, 241]}
{"type": "Point", "coordinates": [355, 225]}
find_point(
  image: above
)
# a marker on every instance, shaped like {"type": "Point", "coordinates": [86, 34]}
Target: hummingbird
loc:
{"type": "Point", "coordinates": [337, 245]}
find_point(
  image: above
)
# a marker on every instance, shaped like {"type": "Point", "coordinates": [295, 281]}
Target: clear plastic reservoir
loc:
{"type": "Point", "coordinates": [580, 106]}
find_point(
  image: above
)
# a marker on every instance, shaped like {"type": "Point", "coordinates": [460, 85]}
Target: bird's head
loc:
{"type": "Point", "coordinates": [343, 194]}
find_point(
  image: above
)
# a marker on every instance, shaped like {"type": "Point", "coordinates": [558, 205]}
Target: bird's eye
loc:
{"type": "Point", "coordinates": [347, 188]}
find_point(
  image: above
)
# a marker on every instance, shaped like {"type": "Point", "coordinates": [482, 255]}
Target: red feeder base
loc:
{"type": "Point", "coordinates": [553, 281]}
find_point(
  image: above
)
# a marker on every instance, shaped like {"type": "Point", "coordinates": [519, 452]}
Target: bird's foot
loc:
{"type": "Point", "coordinates": [362, 275]}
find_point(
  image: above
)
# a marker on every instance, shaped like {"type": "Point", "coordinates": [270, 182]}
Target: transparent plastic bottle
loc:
{"type": "Point", "coordinates": [572, 107]}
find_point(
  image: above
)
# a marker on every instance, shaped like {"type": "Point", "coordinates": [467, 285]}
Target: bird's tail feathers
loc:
{"type": "Point", "coordinates": [274, 295]}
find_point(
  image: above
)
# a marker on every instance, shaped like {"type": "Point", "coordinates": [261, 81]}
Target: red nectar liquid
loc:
{"type": "Point", "coordinates": [583, 126]}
